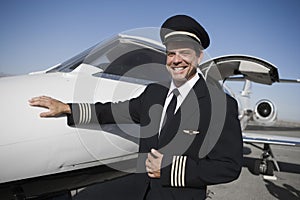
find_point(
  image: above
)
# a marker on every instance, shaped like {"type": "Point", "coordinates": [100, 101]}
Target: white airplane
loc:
{"type": "Point", "coordinates": [41, 157]}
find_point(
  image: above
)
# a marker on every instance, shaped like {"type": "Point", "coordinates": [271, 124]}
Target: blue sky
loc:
{"type": "Point", "coordinates": [36, 34]}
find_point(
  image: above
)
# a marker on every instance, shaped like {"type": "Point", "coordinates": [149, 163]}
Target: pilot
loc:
{"type": "Point", "coordinates": [190, 131]}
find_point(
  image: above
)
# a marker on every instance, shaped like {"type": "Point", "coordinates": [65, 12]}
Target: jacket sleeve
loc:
{"type": "Point", "coordinates": [105, 113]}
{"type": "Point", "coordinates": [222, 164]}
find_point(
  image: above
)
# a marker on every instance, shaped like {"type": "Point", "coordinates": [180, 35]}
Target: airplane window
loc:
{"type": "Point", "coordinates": [90, 54]}
{"type": "Point", "coordinates": [72, 63]}
{"type": "Point", "coordinates": [141, 64]}
{"type": "Point", "coordinates": [127, 60]}
{"type": "Point", "coordinates": [122, 58]}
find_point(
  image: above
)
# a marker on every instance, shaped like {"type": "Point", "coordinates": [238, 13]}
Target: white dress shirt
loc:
{"type": "Point", "coordinates": [183, 92]}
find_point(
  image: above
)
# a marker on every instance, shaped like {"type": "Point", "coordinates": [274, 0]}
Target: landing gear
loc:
{"type": "Point", "coordinates": [265, 167]}
{"type": "Point", "coordinates": [267, 164]}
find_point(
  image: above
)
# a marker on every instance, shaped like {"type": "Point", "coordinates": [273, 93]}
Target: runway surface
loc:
{"type": "Point", "coordinates": [247, 186]}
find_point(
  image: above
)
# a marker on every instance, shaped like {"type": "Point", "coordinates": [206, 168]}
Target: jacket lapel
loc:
{"type": "Point", "coordinates": [188, 114]}
{"type": "Point", "coordinates": [190, 107]}
{"type": "Point", "coordinates": [155, 113]}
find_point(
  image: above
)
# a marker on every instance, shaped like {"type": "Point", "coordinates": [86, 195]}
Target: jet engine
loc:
{"type": "Point", "coordinates": [265, 113]}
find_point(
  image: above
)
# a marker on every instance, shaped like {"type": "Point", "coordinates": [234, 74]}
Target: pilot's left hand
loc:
{"type": "Point", "coordinates": [56, 107]}
{"type": "Point", "coordinates": [153, 163]}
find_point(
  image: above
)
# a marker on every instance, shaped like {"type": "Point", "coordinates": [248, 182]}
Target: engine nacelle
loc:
{"type": "Point", "coordinates": [265, 112]}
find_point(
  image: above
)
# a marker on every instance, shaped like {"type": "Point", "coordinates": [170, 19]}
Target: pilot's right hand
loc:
{"type": "Point", "coordinates": [56, 107]}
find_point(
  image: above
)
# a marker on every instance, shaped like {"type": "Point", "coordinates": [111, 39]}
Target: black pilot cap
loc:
{"type": "Point", "coordinates": [183, 28]}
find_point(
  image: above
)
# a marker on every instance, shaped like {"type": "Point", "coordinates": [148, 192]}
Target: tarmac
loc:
{"type": "Point", "coordinates": [285, 184]}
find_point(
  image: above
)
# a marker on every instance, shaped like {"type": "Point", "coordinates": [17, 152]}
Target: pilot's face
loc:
{"type": "Point", "coordinates": [182, 61]}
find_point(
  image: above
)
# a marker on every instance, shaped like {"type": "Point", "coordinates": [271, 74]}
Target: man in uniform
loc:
{"type": "Point", "coordinates": [193, 139]}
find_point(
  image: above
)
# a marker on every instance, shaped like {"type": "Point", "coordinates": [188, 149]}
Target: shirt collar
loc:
{"type": "Point", "coordinates": [186, 87]}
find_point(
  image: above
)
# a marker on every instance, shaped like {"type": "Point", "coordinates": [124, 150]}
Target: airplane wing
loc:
{"type": "Point", "coordinates": [249, 137]}
{"type": "Point", "coordinates": [267, 163]}
{"type": "Point", "coordinates": [281, 80]}
{"type": "Point", "coordinates": [289, 80]}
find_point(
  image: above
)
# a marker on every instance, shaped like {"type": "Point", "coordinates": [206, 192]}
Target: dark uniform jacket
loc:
{"type": "Point", "coordinates": [203, 144]}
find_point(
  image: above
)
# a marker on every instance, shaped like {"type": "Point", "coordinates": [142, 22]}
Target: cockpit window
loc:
{"type": "Point", "coordinates": [123, 58]}
{"type": "Point", "coordinates": [72, 63]}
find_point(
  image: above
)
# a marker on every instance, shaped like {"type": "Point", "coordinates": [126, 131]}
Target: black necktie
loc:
{"type": "Point", "coordinates": [171, 109]}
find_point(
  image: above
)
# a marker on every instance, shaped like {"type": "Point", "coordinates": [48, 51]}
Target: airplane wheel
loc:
{"type": "Point", "coordinates": [257, 167]}
{"type": "Point", "coordinates": [270, 168]}
{"type": "Point", "coordinates": [264, 167]}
